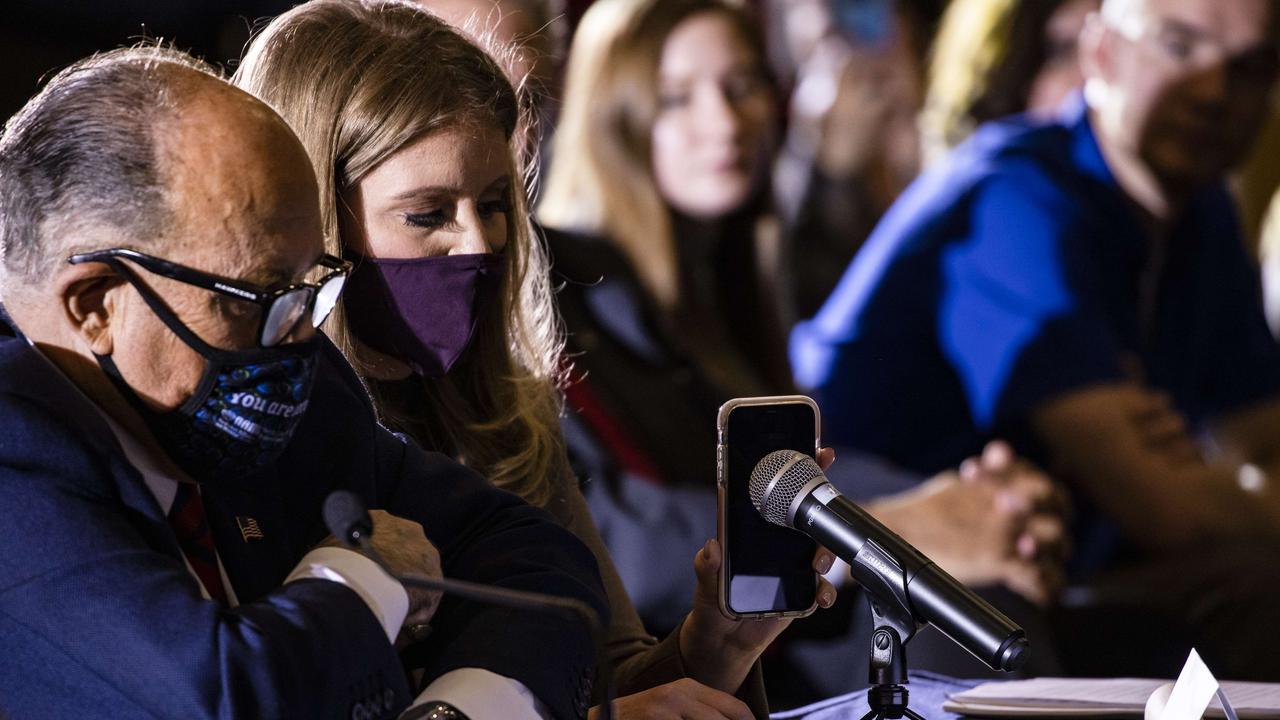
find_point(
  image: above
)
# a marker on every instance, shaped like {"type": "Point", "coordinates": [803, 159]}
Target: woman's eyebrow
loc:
{"type": "Point", "coordinates": [426, 192]}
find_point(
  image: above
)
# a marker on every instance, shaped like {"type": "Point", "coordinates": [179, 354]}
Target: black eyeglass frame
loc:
{"type": "Point", "coordinates": [265, 297]}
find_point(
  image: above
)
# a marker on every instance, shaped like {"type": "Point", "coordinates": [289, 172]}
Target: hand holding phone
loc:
{"type": "Point", "coordinates": [719, 651]}
{"type": "Point", "coordinates": [766, 570]}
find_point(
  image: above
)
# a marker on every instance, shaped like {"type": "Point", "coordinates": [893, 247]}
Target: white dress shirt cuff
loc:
{"type": "Point", "coordinates": [481, 694]}
{"type": "Point", "coordinates": [385, 596]}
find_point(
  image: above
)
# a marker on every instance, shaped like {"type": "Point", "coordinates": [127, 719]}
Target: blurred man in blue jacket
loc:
{"type": "Point", "coordinates": [1082, 287]}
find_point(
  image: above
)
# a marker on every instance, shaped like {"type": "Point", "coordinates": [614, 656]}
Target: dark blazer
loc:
{"type": "Point", "coordinates": [100, 618]}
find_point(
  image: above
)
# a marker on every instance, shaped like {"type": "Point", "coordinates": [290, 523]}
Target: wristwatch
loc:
{"type": "Point", "coordinates": [435, 710]}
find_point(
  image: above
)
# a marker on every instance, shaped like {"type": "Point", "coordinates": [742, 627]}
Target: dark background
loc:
{"type": "Point", "coordinates": [39, 37]}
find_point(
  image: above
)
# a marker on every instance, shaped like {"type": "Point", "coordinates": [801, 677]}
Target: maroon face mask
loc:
{"type": "Point", "coordinates": [423, 311]}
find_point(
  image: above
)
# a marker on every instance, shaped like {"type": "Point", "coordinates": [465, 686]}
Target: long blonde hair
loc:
{"type": "Point", "coordinates": [985, 58]}
{"type": "Point", "coordinates": [360, 79]}
{"type": "Point", "coordinates": [601, 178]}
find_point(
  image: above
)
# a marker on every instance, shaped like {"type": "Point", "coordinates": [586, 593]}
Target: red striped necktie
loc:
{"type": "Point", "coordinates": [186, 515]}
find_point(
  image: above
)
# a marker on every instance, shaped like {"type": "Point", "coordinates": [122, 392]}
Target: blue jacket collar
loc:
{"type": "Point", "coordinates": [1085, 152]}
{"type": "Point", "coordinates": [26, 373]}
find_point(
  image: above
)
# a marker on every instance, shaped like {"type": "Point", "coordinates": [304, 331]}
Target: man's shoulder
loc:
{"type": "Point", "coordinates": [1018, 152]}
{"type": "Point", "coordinates": [1024, 151]}
{"type": "Point", "coordinates": [338, 398]}
{"type": "Point", "coordinates": [30, 385]}
{"type": "Point", "coordinates": [582, 259]}
{"type": "Point", "coordinates": [1038, 176]}
{"type": "Point", "coordinates": [50, 429]}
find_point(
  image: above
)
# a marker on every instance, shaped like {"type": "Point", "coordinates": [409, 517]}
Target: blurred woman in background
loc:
{"type": "Point", "coordinates": [852, 141]}
{"type": "Point", "coordinates": [668, 252]}
{"type": "Point", "coordinates": [657, 210]}
{"type": "Point", "coordinates": [416, 137]}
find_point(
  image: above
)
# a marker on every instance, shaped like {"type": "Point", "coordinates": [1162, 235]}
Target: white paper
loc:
{"type": "Point", "coordinates": [1070, 697]}
{"type": "Point", "coordinates": [1192, 693]}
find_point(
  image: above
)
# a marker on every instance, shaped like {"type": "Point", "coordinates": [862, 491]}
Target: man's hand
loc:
{"type": "Point", "coordinates": [678, 700]}
{"type": "Point", "coordinates": [1124, 446]}
{"type": "Point", "coordinates": [1163, 429]}
{"type": "Point", "coordinates": [404, 547]}
{"type": "Point", "coordinates": [998, 520]}
{"type": "Point", "coordinates": [719, 651]}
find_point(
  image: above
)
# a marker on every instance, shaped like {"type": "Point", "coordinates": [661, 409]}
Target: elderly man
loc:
{"type": "Point", "coordinates": [173, 424]}
{"type": "Point", "coordinates": [1082, 285]}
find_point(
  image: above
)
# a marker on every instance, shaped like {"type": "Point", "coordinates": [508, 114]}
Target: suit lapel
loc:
{"type": "Point", "coordinates": [253, 534]}
{"type": "Point", "coordinates": [33, 375]}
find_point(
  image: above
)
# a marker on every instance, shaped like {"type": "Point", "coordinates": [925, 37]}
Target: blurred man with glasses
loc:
{"type": "Point", "coordinates": [173, 422]}
{"type": "Point", "coordinates": [1082, 287]}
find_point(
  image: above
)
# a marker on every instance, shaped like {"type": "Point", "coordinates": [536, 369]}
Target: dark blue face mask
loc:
{"type": "Point", "coordinates": [244, 411]}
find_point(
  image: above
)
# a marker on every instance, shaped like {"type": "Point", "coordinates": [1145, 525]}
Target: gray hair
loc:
{"type": "Point", "coordinates": [81, 155]}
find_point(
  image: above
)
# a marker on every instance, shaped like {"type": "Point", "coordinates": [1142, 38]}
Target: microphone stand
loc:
{"type": "Point", "coordinates": [893, 625]}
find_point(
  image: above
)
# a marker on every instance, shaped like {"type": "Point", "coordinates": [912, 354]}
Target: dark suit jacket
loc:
{"type": "Point", "coordinates": [100, 618]}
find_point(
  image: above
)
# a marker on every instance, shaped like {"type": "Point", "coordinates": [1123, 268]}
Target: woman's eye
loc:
{"type": "Point", "coordinates": [1176, 45]}
{"type": "Point", "coordinates": [741, 87]}
{"type": "Point", "coordinates": [433, 219]}
{"type": "Point", "coordinates": [497, 206]}
{"type": "Point", "coordinates": [673, 101]}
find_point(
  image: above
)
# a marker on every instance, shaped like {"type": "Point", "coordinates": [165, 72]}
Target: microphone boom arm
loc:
{"type": "Point", "coordinates": [347, 518]}
{"type": "Point", "coordinates": [479, 592]}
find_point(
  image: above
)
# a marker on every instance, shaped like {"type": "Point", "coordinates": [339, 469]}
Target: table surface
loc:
{"type": "Point", "coordinates": [926, 693]}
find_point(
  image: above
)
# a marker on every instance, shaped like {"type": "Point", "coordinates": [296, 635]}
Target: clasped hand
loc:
{"type": "Point", "coordinates": [403, 546]}
{"type": "Point", "coordinates": [997, 521]}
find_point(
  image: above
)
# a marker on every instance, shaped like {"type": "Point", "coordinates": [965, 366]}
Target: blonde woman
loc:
{"type": "Point", "coordinates": [658, 194]}
{"type": "Point", "coordinates": [415, 135]}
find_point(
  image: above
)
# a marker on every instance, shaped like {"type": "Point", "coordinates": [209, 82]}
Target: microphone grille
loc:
{"type": "Point", "coordinates": [773, 489]}
{"type": "Point", "coordinates": [344, 514]}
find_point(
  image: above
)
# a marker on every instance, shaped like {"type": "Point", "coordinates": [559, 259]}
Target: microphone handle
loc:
{"type": "Point", "coordinates": [932, 594]}
{"type": "Point", "coordinates": [519, 599]}
{"type": "Point", "coordinates": [479, 592]}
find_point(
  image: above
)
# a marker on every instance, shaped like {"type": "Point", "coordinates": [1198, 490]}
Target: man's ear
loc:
{"type": "Point", "coordinates": [1095, 57]}
{"type": "Point", "coordinates": [89, 298]}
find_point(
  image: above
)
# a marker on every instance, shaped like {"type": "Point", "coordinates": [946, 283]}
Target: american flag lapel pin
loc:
{"type": "Point", "coordinates": [249, 529]}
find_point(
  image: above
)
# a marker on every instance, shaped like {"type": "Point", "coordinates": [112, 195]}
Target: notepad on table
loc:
{"type": "Point", "coordinates": [1111, 698]}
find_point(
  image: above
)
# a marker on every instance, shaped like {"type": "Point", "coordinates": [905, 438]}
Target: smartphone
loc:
{"type": "Point", "coordinates": [767, 569]}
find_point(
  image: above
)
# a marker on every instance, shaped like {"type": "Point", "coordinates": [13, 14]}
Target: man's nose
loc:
{"type": "Point", "coordinates": [1211, 83]}
{"type": "Point", "coordinates": [720, 116]}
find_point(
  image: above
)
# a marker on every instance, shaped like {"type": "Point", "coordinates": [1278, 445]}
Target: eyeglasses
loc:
{"type": "Point", "coordinates": [1194, 49]}
{"type": "Point", "coordinates": [282, 307]}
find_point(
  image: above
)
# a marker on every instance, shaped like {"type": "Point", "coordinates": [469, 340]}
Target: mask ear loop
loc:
{"type": "Point", "coordinates": [162, 311]}
{"type": "Point", "coordinates": [184, 333]}
{"type": "Point", "coordinates": [211, 355]}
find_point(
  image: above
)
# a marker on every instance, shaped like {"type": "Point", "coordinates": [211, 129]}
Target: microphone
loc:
{"type": "Point", "coordinates": [789, 489]}
{"type": "Point", "coordinates": [348, 520]}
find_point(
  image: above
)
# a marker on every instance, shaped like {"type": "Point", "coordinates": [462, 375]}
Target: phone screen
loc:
{"type": "Point", "coordinates": [769, 568]}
